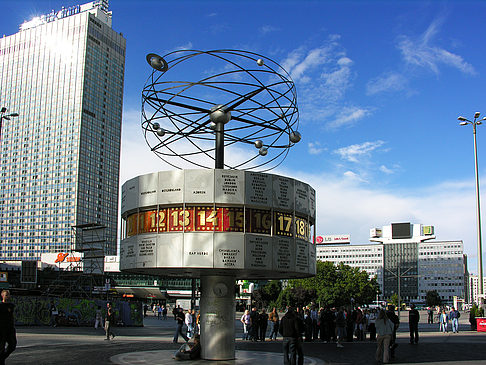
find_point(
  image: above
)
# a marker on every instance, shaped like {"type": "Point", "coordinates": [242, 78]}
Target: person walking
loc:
{"type": "Point", "coordinates": [109, 321]}
{"type": "Point", "coordinates": [413, 321]}
{"type": "Point", "coordinates": [8, 336]}
{"type": "Point", "coordinates": [454, 317]}
{"type": "Point", "coordinates": [291, 328]}
{"type": "Point", "coordinates": [180, 318]}
{"type": "Point", "coordinates": [189, 323]}
{"type": "Point", "coordinates": [443, 321]}
{"type": "Point", "coordinates": [273, 317]}
{"type": "Point", "coordinates": [164, 312]}
{"type": "Point", "coordinates": [384, 328]}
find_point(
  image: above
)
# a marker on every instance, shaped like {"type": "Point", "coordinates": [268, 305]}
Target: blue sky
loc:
{"type": "Point", "coordinates": [380, 85]}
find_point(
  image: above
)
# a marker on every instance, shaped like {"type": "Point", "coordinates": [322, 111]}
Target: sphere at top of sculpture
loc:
{"type": "Point", "coordinates": [190, 92]}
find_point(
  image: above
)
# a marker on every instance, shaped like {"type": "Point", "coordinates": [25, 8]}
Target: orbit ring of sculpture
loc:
{"type": "Point", "coordinates": [246, 97]}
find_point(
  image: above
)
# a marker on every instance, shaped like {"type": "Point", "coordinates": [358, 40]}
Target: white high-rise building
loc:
{"type": "Point", "coordinates": [63, 73]}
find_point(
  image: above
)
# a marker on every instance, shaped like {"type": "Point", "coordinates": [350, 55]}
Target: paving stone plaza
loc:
{"type": "Point", "coordinates": [152, 344]}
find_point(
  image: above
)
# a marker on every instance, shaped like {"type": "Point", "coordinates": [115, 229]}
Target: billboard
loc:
{"type": "Point", "coordinates": [333, 239]}
{"type": "Point", "coordinates": [401, 230]}
{"type": "Point", "coordinates": [64, 260]}
{"type": "Point", "coordinates": [112, 264]}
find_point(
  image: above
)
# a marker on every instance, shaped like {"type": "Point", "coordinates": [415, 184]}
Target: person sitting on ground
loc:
{"type": "Point", "coordinates": [187, 352]}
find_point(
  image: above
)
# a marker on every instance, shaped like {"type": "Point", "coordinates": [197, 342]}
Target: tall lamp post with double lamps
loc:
{"type": "Point", "coordinates": [476, 122]}
{"type": "Point", "coordinates": [6, 117]}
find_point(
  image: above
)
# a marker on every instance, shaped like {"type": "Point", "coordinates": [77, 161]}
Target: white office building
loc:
{"type": "Point", "coordinates": [368, 257]}
{"type": "Point", "coordinates": [405, 261]}
{"type": "Point", "coordinates": [63, 73]}
{"type": "Point", "coordinates": [473, 290]}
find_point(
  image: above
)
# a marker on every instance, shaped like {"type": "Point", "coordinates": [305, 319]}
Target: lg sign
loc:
{"type": "Point", "coordinates": [342, 238]}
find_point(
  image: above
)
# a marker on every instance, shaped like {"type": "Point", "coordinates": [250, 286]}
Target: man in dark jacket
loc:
{"type": "Point", "coordinates": [263, 324]}
{"type": "Point", "coordinates": [390, 313]}
{"type": "Point", "coordinates": [291, 328]}
{"type": "Point", "coordinates": [180, 318]}
{"type": "Point", "coordinates": [413, 321]}
{"type": "Point", "coordinates": [7, 330]}
{"type": "Point", "coordinates": [254, 324]}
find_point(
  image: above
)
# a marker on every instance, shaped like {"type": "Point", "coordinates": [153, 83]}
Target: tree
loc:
{"type": "Point", "coordinates": [267, 294]}
{"type": "Point", "coordinates": [333, 286]}
{"type": "Point", "coordinates": [432, 298]}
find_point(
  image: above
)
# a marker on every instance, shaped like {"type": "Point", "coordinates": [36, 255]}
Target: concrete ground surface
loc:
{"type": "Point", "coordinates": [152, 344]}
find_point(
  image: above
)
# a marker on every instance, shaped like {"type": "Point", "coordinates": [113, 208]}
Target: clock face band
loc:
{"type": "Point", "coordinates": [217, 219]}
{"type": "Point", "coordinates": [203, 222]}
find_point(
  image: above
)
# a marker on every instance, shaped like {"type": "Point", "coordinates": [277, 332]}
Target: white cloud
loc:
{"type": "Point", "coordinates": [315, 148]}
{"type": "Point", "coordinates": [347, 117]}
{"type": "Point", "coordinates": [421, 52]}
{"type": "Point", "coordinates": [391, 81]}
{"type": "Point", "coordinates": [188, 45]}
{"type": "Point", "coordinates": [354, 177]}
{"type": "Point", "coordinates": [353, 152]}
{"type": "Point", "coordinates": [322, 76]}
{"type": "Point", "coordinates": [268, 29]}
{"type": "Point", "coordinates": [386, 170]}
{"type": "Point", "coordinates": [344, 206]}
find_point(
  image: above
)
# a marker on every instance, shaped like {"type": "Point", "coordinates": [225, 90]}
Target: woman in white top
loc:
{"type": "Point", "coordinates": [245, 319]}
{"type": "Point", "coordinates": [189, 324]}
{"type": "Point", "coordinates": [384, 329]}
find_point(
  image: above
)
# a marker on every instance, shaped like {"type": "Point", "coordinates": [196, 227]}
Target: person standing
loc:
{"type": "Point", "coordinates": [109, 321]}
{"type": "Point", "coordinates": [443, 321]}
{"type": "Point", "coordinates": [430, 313]}
{"type": "Point", "coordinates": [340, 326]}
{"type": "Point", "coordinates": [245, 319]}
{"type": "Point", "coordinates": [396, 321]}
{"type": "Point", "coordinates": [54, 314]}
{"type": "Point", "coordinates": [413, 321]}
{"type": "Point", "coordinates": [291, 328]}
{"type": "Point", "coordinates": [253, 330]}
{"type": "Point", "coordinates": [98, 318]}
{"type": "Point", "coordinates": [8, 336]}
{"type": "Point", "coordinates": [308, 325]}
{"type": "Point", "coordinates": [454, 317]}
{"type": "Point", "coordinates": [371, 325]}
{"type": "Point", "coordinates": [275, 324]}
{"type": "Point", "coordinates": [384, 328]}
{"type": "Point", "coordinates": [263, 324]}
{"type": "Point", "coordinates": [179, 317]}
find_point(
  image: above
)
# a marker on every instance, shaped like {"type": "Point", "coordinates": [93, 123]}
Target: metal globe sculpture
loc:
{"type": "Point", "coordinates": [237, 101]}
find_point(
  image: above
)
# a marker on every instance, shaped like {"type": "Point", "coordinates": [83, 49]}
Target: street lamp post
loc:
{"type": "Point", "coordinates": [3, 110]}
{"type": "Point", "coordinates": [476, 122]}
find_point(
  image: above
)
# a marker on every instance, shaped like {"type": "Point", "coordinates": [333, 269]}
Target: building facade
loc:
{"type": "Point", "coordinates": [406, 263]}
{"type": "Point", "coordinates": [368, 257]}
{"type": "Point", "coordinates": [473, 290]}
{"type": "Point", "coordinates": [63, 73]}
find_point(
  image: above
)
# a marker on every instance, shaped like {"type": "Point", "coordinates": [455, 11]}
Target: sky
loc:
{"type": "Point", "coordinates": [380, 85]}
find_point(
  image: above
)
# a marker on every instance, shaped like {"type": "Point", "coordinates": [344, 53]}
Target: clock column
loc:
{"type": "Point", "coordinates": [217, 305]}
